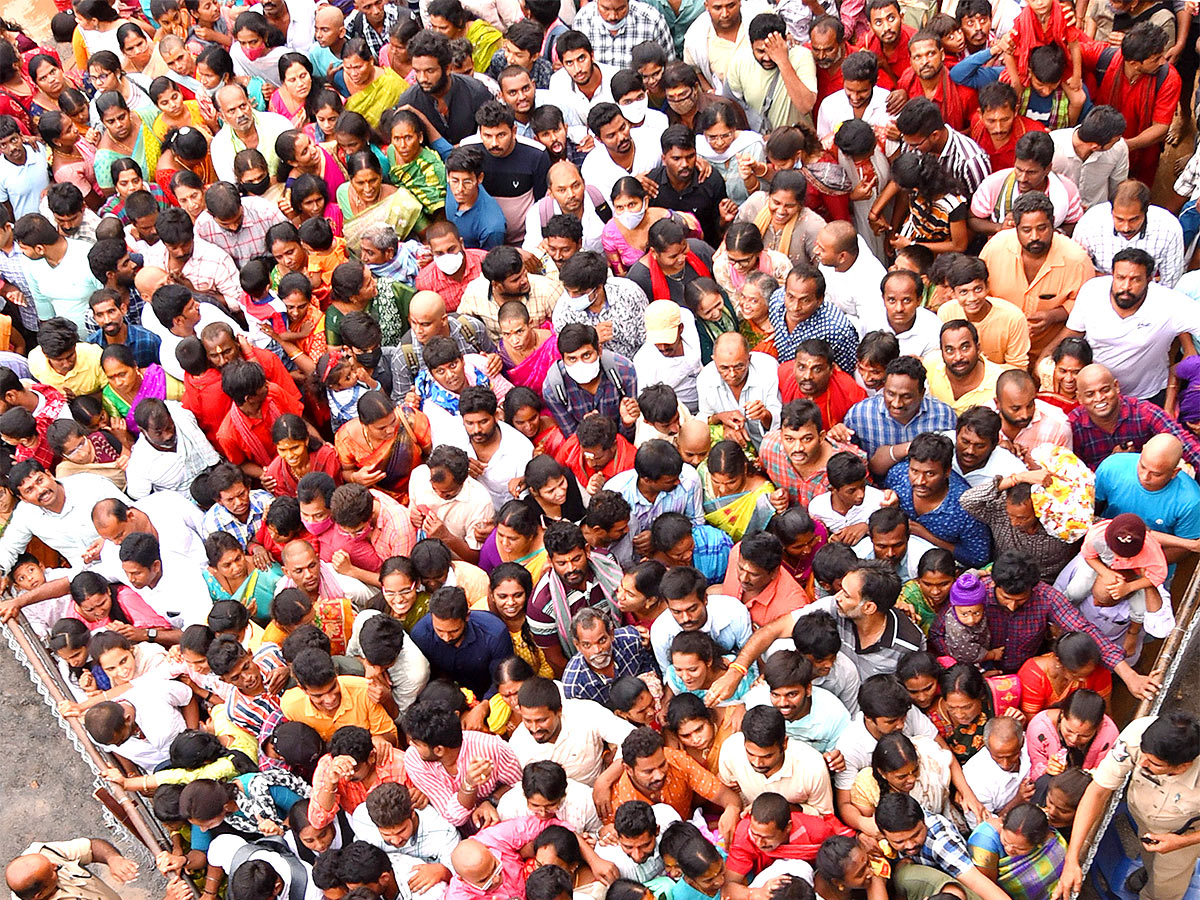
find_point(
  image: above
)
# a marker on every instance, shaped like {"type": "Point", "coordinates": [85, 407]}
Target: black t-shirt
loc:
{"type": "Point", "coordinates": [462, 99]}
{"type": "Point", "coordinates": [700, 198]}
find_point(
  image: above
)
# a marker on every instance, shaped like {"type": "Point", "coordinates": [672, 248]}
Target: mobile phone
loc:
{"type": "Point", "coordinates": [1149, 841]}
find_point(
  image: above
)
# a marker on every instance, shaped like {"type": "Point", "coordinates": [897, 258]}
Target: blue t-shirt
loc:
{"type": "Point", "coordinates": [482, 226]}
{"type": "Point", "coordinates": [1173, 510]}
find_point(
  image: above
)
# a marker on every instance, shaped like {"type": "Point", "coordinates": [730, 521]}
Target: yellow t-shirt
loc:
{"type": "Point", "coordinates": [356, 708]}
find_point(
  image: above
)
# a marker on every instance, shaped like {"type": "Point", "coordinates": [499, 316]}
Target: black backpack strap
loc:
{"type": "Point", "coordinates": [411, 360]}
{"type": "Point", "coordinates": [298, 880]}
{"type": "Point", "coordinates": [467, 327]}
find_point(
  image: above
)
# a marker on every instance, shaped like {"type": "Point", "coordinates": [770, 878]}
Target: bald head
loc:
{"type": "Point", "coordinates": [149, 279]}
{"type": "Point", "coordinates": [837, 245]}
{"type": "Point", "coordinates": [31, 876]}
{"type": "Point", "coordinates": [473, 862]}
{"type": "Point", "coordinates": [693, 441]}
{"type": "Point", "coordinates": [427, 304]}
{"type": "Point", "coordinates": [329, 16]}
{"type": "Point", "coordinates": [1159, 461]}
{"type": "Point", "coordinates": [296, 553]}
{"type": "Point", "coordinates": [566, 186]}
{"type": "Point", "coordinates": [1098, 392]}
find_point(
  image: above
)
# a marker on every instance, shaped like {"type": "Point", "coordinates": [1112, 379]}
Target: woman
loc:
{"type": "Point", "coordinates": [322, 109]}
{"type": "Point", "coordinates": [295, 86]}
{"type": "Point", "coordinates": [98, 452]}
{"type": "Point", "coordinates": [696, 662]}
{"type": "Point", "coordinates": [299, 155]}
{"type": "Point", "coordinates": [1063, 793]}
{"type": "Point", "coordinates": [373, 89]}
{"type": "Point", "coordinates": [919, 768]}
{"type": "Point", "coordinates": [509, 589]}
{"type": "Point", "coordinates": [401, 588]}
{"type": "Point", "coordinates": [557, 845]}
{"type": "Point", "coordinates": [639, 597]}
{"type": "Point", "coordinates": [1025, 856]}
{"type": "Point", "coordinates": [698, 731]}
{"type": "Point", "coordinates": [920, 673]}
{"type": "Point", "coordinates": [366, 201]}
{"type": "Point", "coordinates": [127, 180]}
{"type": "Point", "coordinates": [394, 54]}
{"type": "Point", "coordinates": [1076, 733]}
{"type": "Point", "coordinates": [353, 134]}
{"type": "Point", "coordinates": [736, 500]}
{"type": "Point", "coordinates": [308, 198]}
{"type": "Point", "coordinates": [627, 234]}
{"type": "Point", "coordinates": [937, 212]}
{"type": "Point", "coordinates": [283, 243]}
{"type": "Point", "coordinates": [49, 81]}
{"type": "Point", "coordinates": [743, 252]}
{"type": "Point", "coordinates": [258, 46]}
{"type": "Point", "coordinates": [713, 312]}
{"type": "Point", "coordinates": [525, 411]}
{"type": "Point", "coordinates": [125, 135]}
{"type": "Point", "coordinates": [215, 69]}
{"type": "Point", "coordinates": [554, 494]}
{"type": "Point", "coordinates": [174, 111]}
{"type": "Point", "coordinates": [298, 454]}
{"type": "Point", "coordinates": [253, 176]}
{"type": "Point", "coordinates": [754, 312]}
{"type": "Point", "coordinates": [99, 604]}
{"type": "Point", "coordinates": [517, 538]}
{"type": "Point", "coordinates": [962, 710]}
{"type": "Point", "coordinates": [923, 598]}
{"type": "Point", "coordinates": [105, 72]}
{"type": "Point", "coordinates": [142, 61]}
{"type": "Point", "coordinates": [381, 447]}
{"type": "Point", "coordinates": [128, 385]}
{"type": "Point", "coordinates": [719, 141]}
{"type": "Point", "coordinates": [459, 22]}
{"type": "Point", "coordinates": [185, 150]}
{"type": "Point", "coordinates": [73, 158]}
{"type": "Point", "coordinates": [527, 352]}
{"type": "Point", "coordinates": [232, 575]}
{"type": "Point", "coordinates": [414, 164]}
{"type": "Point", "coordinates": [801, 537]}
{"type": "Point", "coordinates": [1049, 679]}
{"type": "Point", "coordinates": [189, 191]}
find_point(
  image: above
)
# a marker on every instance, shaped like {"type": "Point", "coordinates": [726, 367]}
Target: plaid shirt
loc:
{"type": "Point", "coordinates": [12, 270]}
{"type": "Point", "coordinates": [142, 343]}
{"type": "Point", "coordinates": [115, 205]}
{"type": "Point", "coordinates": [1161, 236]}
{"type": "Point", "coordinates": [1139, 420]}
{"type": "Point", "coordinates": [710, 552]}
{"type": "Point", "coordinates": [218, 518]}
{"type": "Point", "coordinates": [779, 469]}
{"type": "Point", "coordinates": [1021, 633]}
{"type": "Point", "coordinates": [582, 682]}
{"type": "Point", "coordinates": [252, 713]}
{"type": "Point", "coordinates": [828, 323]}
{"type": "Point", "coordinates": [432, 779]}
{"type": "Point", "coordinates": [873, 427]}
{"type": "Point", "coordinates": [357, 26]}
{"type": "Point", "coordinates": [944, 848]}
{"type": "Point", "coordinates": [568, 403]}
{"type": "Point", "coordinates": [477, 301]}
{"type": "Point", "coordinates": [643, 23]}
{"type": "Point", "coordinates": [971, 539]}
{"type": "Point", "coordinates": [136, 305]}
{"type": "Point", "coordinates": [685, 778]}
{"type": "Point", "coordinates": [686, 498]}
{"type": "Point", "coordinates": [250, 240]}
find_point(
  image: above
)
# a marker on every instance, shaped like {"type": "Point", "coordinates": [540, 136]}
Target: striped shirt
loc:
{"type": "Point", "coordinates": [432, 779]}
{"type": "Point", "coordinates": [965, 160]}
{"type": "Point", "coordinates": [251, 713]}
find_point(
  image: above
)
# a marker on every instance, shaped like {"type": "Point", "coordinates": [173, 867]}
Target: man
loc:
{"type": "Point", "coordinates": [827, 41]}
{"type": "Point", "coordinates": [1036, 269]}
{"type": "Point", "coordinates": [140, 727]}
{"type": "Point", "coordinates": [884, 425]}
{"type": "Point", "coordinates": [659, 482]}
{"type": "Point", "coordinates": [245, 435]}
{"type": "Point", "coordinates": [372, 20]}
{"type": "Point", "coordinates": [923, 129]}
{"type": "Point", "coordinates": [521, 94]}
{"type": "Point", "coordinates": [998, 126]}
{"type": "Point", "coordinates": [1130, 222]}
{"type": "Point", "coordinates": [1139, 83]}
{"type": "Point", "coordinates": [813, 375]}
{"type": "Point", "coordinates": [691, 608]}
{"type": "Point", "coordinates": [588, 379]}
{"type": "Point", "coordinates": [575, 578]}
{"type": "Point", "coordinates": [244, 129]}
{"type": "Point", "coordinates": [928, 77]}
{"type": "Point", "coordinates": [615, 26]}
{"type": "Point", "coordinates": [387, 820]}
{"type": "Point", "coordinates": [720, 27]}
{"type": "Point", "coordinates": [1130, 323]}
{"type": "Point", "coordinates": [654, 773]}
{"type": "Point", "coordinates": [499, 453]}
{"type": "Point", "coordinates": [372, 520]}
{"type": "Point", "coordinates": [194, 262]}
{"type": "Point", "coordinates": [23, 169]}
{"type": "Point", "coordinates": [515, 168]}
{"type": "Point", "coordinates": [639, 827]}
{"type": "Point", "coordinates": [679, 186]}
{"type": "Point", "coordinates": [670, 357]}
{"type": "Point", "coordinates": [1093, 156]}
{"type": "Point", "coordinates": [616, 154]}
{"type": "Point", "coordinates": [64, 202]}
{"type": "Point", "coordinates": [860, 96]}
{"type": "Point", "coordinates": [799, 312]}
{"type": "Point", "coordinates": [1004, 503]}
{"type": "Point", "coordinates": [462, 645]}
{"type": "Point", "coordinates": [762, 758]}
{"type": "Point", "coordinates": [59, 277]}
{"type": "Point", "coordinates": [606, 653]}
{"type": "Point", "coordinates": [113, 267]}
{"type": "Point", "coordinates": [887, 38]}
{"type": "Point", "coordinates": [775, 84]}
{"type": "Point", "coordinates": [329, 37]}
{"type": "Point", "coordinates": [324, 589]}
{"type": "Point", "coordinates": [58, 869]}
{"type": "Point", "coordinates": [917, 328]}
{"type": "Point", "coordinates": [999, 775]}
{"type": "Point", "coordinates": [795, 456]}
{"type": "Point", "coordinates": [810, 713]}
{"type": "Point", "coordinates": [961, 375]}
{"type": "Point", "coordinates": [458, 267]}
{"type": "Point", "coordinates": [890, 539]}
{"type": "Point", "coordinates": [470, 209]}
{"type": "Point", "coordinates": [111, 311]}
{"type": "Point", "coordinates": [62, 362]}
{"type": "Point", "coordinates": [170, 451]}
{"type": "Point", "coordinates": [991, 204]}
{"type": "Point", "coordinates": [852, 273]}
{"type": "Point", "coordinates": [447, 99]}
{"type": "Point", "coordinates": [739, 390]}
{"type": "Point", "coordinates": [428, 319]}
{"type": "Point", "coordinates": [1159, 755]}
{"type": "Point", "coordinates": [567, 193]}
{"type": "Point", "coordinates": [239, 509]}
{"type": "Point", "coordinates": [575, 734]}
{"type": "Point", "coordinates": [615, 307]}
{"type": "Point", "coordinates": [1026, 422]}
{"type": "Point", "coordinates": [502, 278]}
{"type": "Point", "coordinates": [236, 224]}
{"type": "Point", "coordinates": [172, 588]}
{"type": "Point", "coordinates": [177, 526]}
{"type": "Point", "coordinates": [757, 578]}
{"type": "Point", "coordinates": [772, 832]}
{"type": "Point", "coordinates": [582, 82]}
{"type": "Point", "coordinates": [327, 701]}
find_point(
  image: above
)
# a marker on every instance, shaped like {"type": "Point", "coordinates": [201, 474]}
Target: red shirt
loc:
{"type": "Point", "coordinates": [892, 65]}
{"type": "Point", "coordinates": [957, 102]}
{"type": "Point", "coordinates": [203, 397]}
{"type": "Point", "coordinates": [570, 454]}
{"type": "Point", "coordinates": [431, 278]}
{"type": "Point", "coordinates": [807, 834]}
{"type": "Point", "coordinates": [230, 442]}
{"type": "Point", "coordinates": [843, 392]}
{"type": "Point", "coordinates": [829, 81]}
{"type": "Point", "coordinates": [1003, 157]}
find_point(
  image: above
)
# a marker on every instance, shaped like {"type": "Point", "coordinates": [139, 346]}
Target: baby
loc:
{"type": "Point", "coordinates": [967, 635]}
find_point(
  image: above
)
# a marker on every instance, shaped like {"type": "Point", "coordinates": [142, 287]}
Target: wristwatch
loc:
{"type": "Point", "coordinates": [152, 634]}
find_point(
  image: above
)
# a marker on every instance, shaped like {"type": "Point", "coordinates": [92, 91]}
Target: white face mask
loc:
{"type": "Point", "coordinates": [580, 303]}
{"type": "Point", "coordinates": [635, 112]}
{"type": "Point", "coordinates": [449, 263]}
{"type": "Point", "coordinates": [583, 372]}
{"type": "Point", "coordinates": [632, 219]}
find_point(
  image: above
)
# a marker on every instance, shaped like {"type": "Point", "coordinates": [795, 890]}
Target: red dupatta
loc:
{"type": "Point", "coordinates": [658, 278]}
{"type": "Point", "coordinates": [1029, 33]}
{"type": "Point", "coordinates": [272, 409]}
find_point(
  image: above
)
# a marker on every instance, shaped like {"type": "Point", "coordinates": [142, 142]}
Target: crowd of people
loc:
{"type": "Point", "coordinates": [654, 450]}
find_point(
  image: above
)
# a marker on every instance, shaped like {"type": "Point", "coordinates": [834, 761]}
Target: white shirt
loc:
{"type": "Point", "coordinates": [677, 371]}
{"type": "Point", "coordinates": [576, 127]}
{"type": "Point", "coordinates": [568, 95]}
{"type": "Point", "coordinates": [178, 522]}
{"type": "Point", "coordinates": [432, 842]}
{"type": "Point", "coordinates": [586, 727]}
{"type": "Point", "coordinates": [922, 338]}
{"type": "Point", "coordinates": [803, 778]}
{"type": "Point", "coordinates": [578, 809]}
{"type": "Point", "coordinates": [726, 616]}
{"type": "Point", "coordinates": [857, 744]}
{"type": "Point", "coordinates": [507, 463]}
{"type": "Point", "coordinates": [650, 129]}
{"type": "Point", "coordinates": [835, 109]}
{"type": "Point", "coordinates": [592, 226]}
{"type": "Point", "coordinates": [208, 314]}
{"type": "Point", "coordinates": [69, 531]}
{"type": "Point", "coordinates": [652, 867]}
{"type": "Point", "coordinates": [151, 469]}
{"type": "Point", "coordinates": [471, 506]}
{"type": "Point", "coordinates": [226, 145]}
{"type": "Point", "coordinates": [762, 384]}
{"type": "Point", "coordinates": [821, 509]}
{"type": "Point", "coordinates": [181, 595]}
{"type": "Point", "coordinates": [1161, 237]}
{"type": "Point", "coordinates": [856, 291]}
{"type": "Point", "coordinates": [993, 785]}
{"type": "Point", "coordinates": [598, 168]}
{"type": "Point", "coordinates": [1002, 462]}
{"type": "Point", "coordinates": [408, 674]}
{"type": "Point", "coordinates": [156, 703]}
{"type": "Point", "coordinates": [1135, 348]}
{"type": "Point", "coordinates": [225, 846]}
{"type": "Point", "coordinates": [1097, 176]}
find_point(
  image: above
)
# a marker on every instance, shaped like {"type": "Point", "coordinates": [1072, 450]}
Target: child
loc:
{"type": "Point", "coordinates": [28, 574]}
{"type": "Point", "coordinates": [1125, 567]}
{"type": "Point", "coordinates": [98, 452]}
{"type": "Point", "coordinates": [344, 381]}
{"type": "Point", "coordinates": [844, 510]}
{"type": "Point", "coordinates": [1040, 24]}
{"type": "Point", "coordinates": [258, 300]}
{"type": "Point", "coordinates": [19, 430]}
{"type": "Point", "coordinates": [967, 635]}
{"type": "Point", "coordinates": [325, 253]}
{"type": "Point", "coordinates": [68, 641]}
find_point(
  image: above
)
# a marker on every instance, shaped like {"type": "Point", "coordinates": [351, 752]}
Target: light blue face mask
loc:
{"type": "Point", "coordinates": [615, 27]}
{"type": "Point", "coordinates": [580, 303]}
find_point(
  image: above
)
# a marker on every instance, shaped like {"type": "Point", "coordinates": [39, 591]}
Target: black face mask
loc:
{"type": "Point", "coordinates": [369, 359]}
{"type": "Point", "coordinates": [257, 188]}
